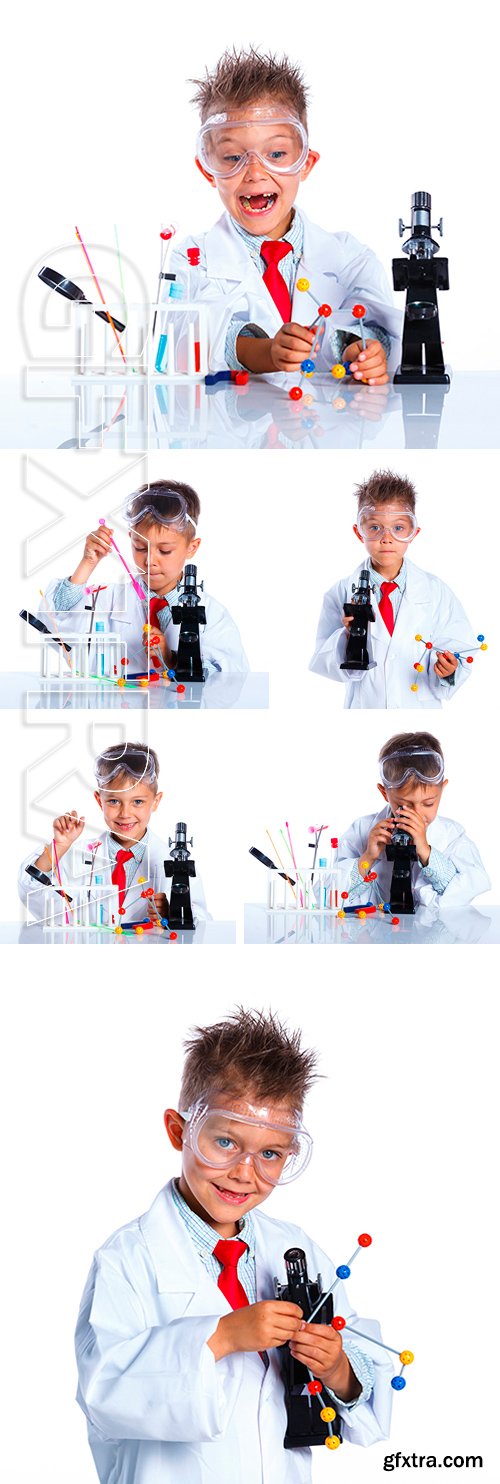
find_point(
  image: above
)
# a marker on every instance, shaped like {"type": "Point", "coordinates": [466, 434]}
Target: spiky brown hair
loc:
{"type": "Point", "coordinates": [250, 1054]}
{"type": "Point", "coordinates": [382, 486]}
{"type": "Point", "coordinates": [243, 77]}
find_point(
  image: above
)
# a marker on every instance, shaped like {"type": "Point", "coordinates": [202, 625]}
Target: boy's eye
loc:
{"type": "Point", "coordinates": [270, 1154]}
{"type": "Point", "coordinates": [231, 159]}
{"type": "Point", "coordinates": [223, 1142]}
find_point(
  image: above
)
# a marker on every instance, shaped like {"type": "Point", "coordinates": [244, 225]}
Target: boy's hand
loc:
{"type": "Point", "coordinates": [97, 546]}
{"type": "Point", "coordinates": [347, 621]}
{"type": "Point", "coordinates": [67, 828]}
{"type": "Point", "coordinates": [157, 906]}
{"type": "Point", "coordinates": [319, 1347]}
{"type": "Point", "coordinates": [378, 838]}
{"type": "Point", "coordinates": [410, 819]}
{"type": "Point", "coordinates": [371, 364]}
{"type": "Point", "coordinates": [256, 1327]}
{"type": "Point", "coordinates": [156, 640]}
{"type": "Point", "coordinates": [292, 344]}
{"type": "Point", "coordinates": [446, 664]}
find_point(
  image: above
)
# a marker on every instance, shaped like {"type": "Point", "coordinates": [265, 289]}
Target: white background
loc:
{"type": "Point", "coordinates": [402, 100]}
{"type": "Point", "coordinates": [106, 134]}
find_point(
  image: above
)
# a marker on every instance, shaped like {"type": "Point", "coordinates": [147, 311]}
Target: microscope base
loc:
{"type": "Point", "coordinates": [358, 665]}
{"type": "Point", "coordinates": [417, 376]}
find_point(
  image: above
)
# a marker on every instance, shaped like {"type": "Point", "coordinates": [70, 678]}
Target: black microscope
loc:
{"type": "Point", "coordinates": [421, 274]}
{"type": "Point", "coordinates": [360, 609]}
{"type": "Point", "coordinates": [401, 851]}
{"type": "Point", "coordinates": [304, 1425]}
{"type": "Point", "coordinates": [190, 613]}
{"type": "Point", "coordinates": [179, 869]}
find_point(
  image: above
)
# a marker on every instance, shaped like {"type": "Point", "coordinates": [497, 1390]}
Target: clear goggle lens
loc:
{"type": "Point", "coordinates": [169, 509]}
{"type": "Point", "coordinates": [401, 528]}
{"type": "Point", "coordinates": [224, 1140]}
{"type": "Point", "coordinates": [422, 763]}
{"type": "Point", "coordinates": [279, 141]}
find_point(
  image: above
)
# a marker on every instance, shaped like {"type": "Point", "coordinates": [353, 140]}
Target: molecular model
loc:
{"type": "Point", "coordinates": [370, 908]}
{"type": "Point", "coordinates": [398, 1383]}
{"type": "Point", "coordinates": [464, 656]}
{"type": "Point", "coordinates": [308, 366]}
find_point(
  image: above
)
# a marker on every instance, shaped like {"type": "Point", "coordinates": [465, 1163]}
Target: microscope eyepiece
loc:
{"type": "Point", "coordinates": [421, 201]}
{"type": "Point", "coordinates": [295, 1262]}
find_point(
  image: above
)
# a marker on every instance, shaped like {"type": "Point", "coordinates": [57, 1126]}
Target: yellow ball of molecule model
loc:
{"type": "Point", "coordinates": [341, 913]}
{"type": "Point", "coordinates": [302, 285]}
{"type": "Point", "coordinates": [141, 880]}
{"type": "Point", "coordinates": [338, 372]}
{"type": "Point", "coordinates": [328, 1414]}
{"type": "Point", "coordinates": [146, 628]}
{"type": "Point", "coordinates": [365, 865]}
{"type": "Point", "coordinates": [414, 687]}
{"type": "Point", "coordinates": [118, 930]}
{"type": "Point", "coordinates": [419, 669]}
{"type": "Point", "coordinates": [419, 639]}
{"type": "Point", "coordinates": [483, 646]}
{"type": "Point", "coordinates": [121, 682]}
{"type": "Point", "coordinates": [406, 1357]}
{"type": "Point", "coordinates": [332, 1442]}
{"type": "Point", "coordinates": [138, 930]}
{"type": "Point", "coordinates": [143, 682]}
{"type": "Point", "coordinates": [361, 914]}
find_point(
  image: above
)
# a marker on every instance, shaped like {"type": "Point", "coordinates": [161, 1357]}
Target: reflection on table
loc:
{"type": "Point", "coordinates": [462, 925]}
{"type": "Point", "coordinates": [218, 693]}
{"type": "Point", "coordinates": [54, 409]}
{"type": "Point", "coordinates": [35, 933]}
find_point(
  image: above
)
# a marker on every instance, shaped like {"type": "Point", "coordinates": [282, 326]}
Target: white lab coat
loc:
{"type": "Point", "coordinates": [446, 836]}
{"type": "Point", "coordinates": [158, 1406]}
{"type": "Point", "coordinates": [124, 613]}
{"type": "Point", "coordinates": [75, 874]}
{"type": "Point", "coordinates": [341, 272]}
{"type": "Point", "coordinates": [427, 607]}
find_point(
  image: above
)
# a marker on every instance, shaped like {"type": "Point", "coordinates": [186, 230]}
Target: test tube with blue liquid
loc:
{"type": "Point", "coordinates": [165, 355]}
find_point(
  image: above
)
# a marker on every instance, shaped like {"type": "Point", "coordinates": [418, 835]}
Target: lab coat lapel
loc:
{"type": "Point", "coordinates": [228, 258]}
{"type": "Point", "coordinates": [318, 249]}
{"type": "Point", "coordinates": [177, 1265]}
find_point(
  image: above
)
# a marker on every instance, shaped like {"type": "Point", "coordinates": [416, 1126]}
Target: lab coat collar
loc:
{"type": "Point", "coordinates": [417, 582]}
{"type": "Point", "coordinates": [227, 255]}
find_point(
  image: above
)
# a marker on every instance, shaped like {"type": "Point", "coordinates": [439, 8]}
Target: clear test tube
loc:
{"type": "Point", "coordinates": [271, 890]}
{"type": "Point", "coordinates": [81, 317]}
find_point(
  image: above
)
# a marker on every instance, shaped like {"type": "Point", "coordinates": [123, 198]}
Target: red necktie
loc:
{"type": "Point", "coordinates": [155, 606]}
{"type": "Point", "coordinates": [385, 607]}
{"type": "Point", "coordinates": [272, 253]}
{"type": "Point", "coordinates": [118, 876]}
{"type": "Point", "coordinates": [229, 1253]}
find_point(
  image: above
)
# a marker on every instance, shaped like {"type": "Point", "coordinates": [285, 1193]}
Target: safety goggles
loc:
{"type": "Point", "coordinates": [169, 509]}
{"type": "Point", "coordinates": [415, 762]}
{"type": "Point", "coordinates": [224, 1140]}
{"type": "Point", "coordinates": [402, 528]}
{"type": "Point", "coordinates": [277, 139]}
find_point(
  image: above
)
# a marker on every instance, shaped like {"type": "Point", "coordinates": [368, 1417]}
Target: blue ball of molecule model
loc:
{"type": "Point", "coordinates": [171, 674]}
{"type": "Point", "coordinates": [343, 1271]}
{"type": "Point", "coordinates": [387, 906]}
{"type": "Point", "coordinates": [307, 366]}
{"type": "Point", "coordinates": [480, 638]}
{"type": "Point", "coordinates": [398, 1383]}
{"type": "Point", "coordinates": [164, 922]}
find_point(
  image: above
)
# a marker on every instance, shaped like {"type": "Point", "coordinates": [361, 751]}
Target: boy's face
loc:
{"type": "Point", "coordinates": [386, 532]}
{"type": "Point", "coordinates": [127, 807]}
{"type": "Point", "coordinates": [221, 1196]}
{"type": "Point", "coordinates": [256, 197]}
{"type": "Point", "coordinates": [160, 553]}
{"type": "Point", "coordinates": [424, 797]}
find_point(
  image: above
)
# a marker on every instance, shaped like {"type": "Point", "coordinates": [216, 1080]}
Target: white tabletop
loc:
{"type": "Point", "coordinates": [218, 693]}
{"type": "Point", "coordinates": [51, 408]}
{"type": "Point", "coordinates": [205, 932]}
{"type": "Point", "coordinates": [469, 925]}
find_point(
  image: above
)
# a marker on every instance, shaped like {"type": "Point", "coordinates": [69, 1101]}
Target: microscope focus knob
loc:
{"type": "Point", "coordinates": [421, 201]}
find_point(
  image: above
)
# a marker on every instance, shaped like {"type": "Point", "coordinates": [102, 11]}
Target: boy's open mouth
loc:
{"type": "Point", "coordinates": [233, 1197]}
{"type": "Point", "coordinates": [256, 205]}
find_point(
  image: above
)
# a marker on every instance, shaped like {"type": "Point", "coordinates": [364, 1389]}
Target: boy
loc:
{"type": "Point", "coordinates": [162, 519]}
{"type": "Point", "coordinates": [127, 855]}
{"type": "Point", "coordinates": [405, 601]}
{"type": "Point", "coordinates": [179, 1333]}
{"type": "Point", "coordinates": [448, 871]}
{"type": "Point", "coordinates": [253, 148]}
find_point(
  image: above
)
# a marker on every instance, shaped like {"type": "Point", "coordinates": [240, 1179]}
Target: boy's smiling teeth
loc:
{"type": "Point", "coordinates": [263, 201]}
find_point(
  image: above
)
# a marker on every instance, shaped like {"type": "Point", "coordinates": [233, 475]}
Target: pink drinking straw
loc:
{"type": "Point", "coordinates": [294, 860]}
{"type": "Point", "coordinates": [58, 869]}
{"type": "Point", "coordinates": [135, 584]}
